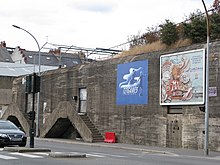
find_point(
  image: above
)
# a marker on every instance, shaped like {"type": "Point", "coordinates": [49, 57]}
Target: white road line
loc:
{"type": "Point", "coordinates": [119, 156]}
{"type": "Point", "coordinates": [1, 149]}
{"type": "Point", "coordinates": [202, 157]}
{"type": "Point", "coordinates": [63, 153]}
{"type": "Point", "coordinates": [171, 155]}
{"type": "Point", "coordinates": [94, 155]}
{"type": "Point", "coordinates": [26, 155]}
{"type": "Point", "coordinates": [7, 157]}
{"type": "Point", "coordinates": [41, 153]}
{"type": "Point", "coordinates": [217, 157]}
{"type": "Point", "coordinates": [134, 154]}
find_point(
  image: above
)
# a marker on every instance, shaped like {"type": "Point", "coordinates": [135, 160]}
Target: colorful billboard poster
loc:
{"type": "Point", "coordinates": [132, 83]}
{"type": "Point", "coordinates": [182, 78]}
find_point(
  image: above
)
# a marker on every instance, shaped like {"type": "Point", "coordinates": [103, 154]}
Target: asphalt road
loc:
{"type": "Point", "coordinates": [100, 155]}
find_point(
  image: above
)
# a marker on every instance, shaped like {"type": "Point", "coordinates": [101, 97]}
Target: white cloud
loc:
{"type": "Point", "coordinates": [87, 23]}
{"type": "Point", "coordinates": [93, 6]}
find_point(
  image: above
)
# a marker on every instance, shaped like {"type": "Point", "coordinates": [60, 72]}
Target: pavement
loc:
{"type": "Point", "coordinates": [142, 148]}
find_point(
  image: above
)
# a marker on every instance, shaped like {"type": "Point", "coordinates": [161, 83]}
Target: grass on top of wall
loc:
{"type": "Point", "coordinates": [155, 46]}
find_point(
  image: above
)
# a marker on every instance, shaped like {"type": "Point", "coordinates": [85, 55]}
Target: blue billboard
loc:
{"type": "Point", "coordinates": [132, 83]}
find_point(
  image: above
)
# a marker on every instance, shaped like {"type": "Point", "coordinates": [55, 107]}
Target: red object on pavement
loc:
{"type": "Point", "coordinates": [110, 137]}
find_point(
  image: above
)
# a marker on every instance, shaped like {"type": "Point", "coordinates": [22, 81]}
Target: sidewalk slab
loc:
{"type": "Point", "coordinates": [24, 149]}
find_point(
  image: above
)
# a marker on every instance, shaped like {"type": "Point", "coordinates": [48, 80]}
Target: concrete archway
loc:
{"type": "Point", "coordinates": [65, 112]}
{"type": "Point", "coordinates": [14, 114]}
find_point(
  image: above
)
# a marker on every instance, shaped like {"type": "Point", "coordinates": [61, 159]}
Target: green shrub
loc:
{"type": "Point", "coordinates": [168, 33]}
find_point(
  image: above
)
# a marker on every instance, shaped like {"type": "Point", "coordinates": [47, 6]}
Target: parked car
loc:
{"type": "Point", "coordinates": [10, 134]}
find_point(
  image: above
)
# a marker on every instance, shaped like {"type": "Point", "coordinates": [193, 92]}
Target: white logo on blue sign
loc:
{"type": "Point", "coordinates": [132, 83]}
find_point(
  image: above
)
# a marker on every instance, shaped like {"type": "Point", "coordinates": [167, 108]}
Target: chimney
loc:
{"type": "Point", "coordinates": [56, 52]}
{"type": "Point", "coordinates": [3, 44]}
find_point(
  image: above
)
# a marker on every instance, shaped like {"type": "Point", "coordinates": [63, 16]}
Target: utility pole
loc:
{"type": "Point", "coordinates": [32, 115]}
{"type": "Point", "coordinates": [206, 141]}
{"type": "Point", "coordinates": [34, 75]}
{"type": "Point", "coordinates": [32, 87]}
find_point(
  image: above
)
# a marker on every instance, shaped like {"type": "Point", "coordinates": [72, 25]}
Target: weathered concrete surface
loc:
{"type": "Point", "coordinates": [6, 84]}
{"type": "Point", "coordinates": [5, 96]}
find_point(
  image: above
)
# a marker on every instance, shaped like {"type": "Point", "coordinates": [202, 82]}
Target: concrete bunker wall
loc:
{"type": "Point", "coordinates": [150, 124]}
{"type": "Point", "coordinates": [138, 124]}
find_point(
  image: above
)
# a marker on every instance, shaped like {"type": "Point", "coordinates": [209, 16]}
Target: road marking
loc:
{"type": "Point", "coordinates": [134, 154]}
{"type": "Point", "coordinates": [26, 155]}
{"type": "Point", "coordinates": [187, 156]}
{"type": "Point", "coordinates": [41, 153]}
{"type": "Point", "coordinates": [202, 157]}
{"type": "Point", "coordinates": [1, 149]}
{"type": "Point", "coordinates": [7, 157]}
{"type": "Point", "coordinates": [119, 156]}
{"type": "Point", "coordinates": [217, 157]}
{"type": "Point", "coordinates": [65, 152]}
{"type": "Point", "coordinates": [171, 155]}
{"type": "Point", "coordinates": [94, 155]}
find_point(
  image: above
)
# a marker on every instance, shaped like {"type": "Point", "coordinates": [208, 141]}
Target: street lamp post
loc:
{"type": "Point", "coordinates": [38, 94]}
{"type": "Point", "coordinates": [206, 141]}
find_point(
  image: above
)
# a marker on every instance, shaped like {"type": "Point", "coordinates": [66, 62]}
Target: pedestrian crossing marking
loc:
{"type": "Point", "coordinates": [94, 155]}
{"type": "Point", "coordinates": [217, 157]}
{"type": "Point", "coordinates": [26, 155]}
{"type": "Point", "coordinates": [41, 153]}
{"type": "Point", "coordinates": [119, 156]}
{"type": "Point", "coordinates": [7, 157]}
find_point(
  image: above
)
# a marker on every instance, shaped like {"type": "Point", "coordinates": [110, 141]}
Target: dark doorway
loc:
{"type": "Point", "coordinates": [14, 120]}
{"type": "Point", "coordinates": [63, 128]}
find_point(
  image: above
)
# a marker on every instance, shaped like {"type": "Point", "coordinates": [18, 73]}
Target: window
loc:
{"type": "Point", "coordinates": [1, 111]}
{"type": "Point", "coordinates": [82, 99]}
{"type": "Point", "coordinates": [75, 62]}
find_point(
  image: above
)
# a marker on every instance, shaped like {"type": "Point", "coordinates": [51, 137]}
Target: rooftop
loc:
{"type": "Point", "coordinates": [15, 70]}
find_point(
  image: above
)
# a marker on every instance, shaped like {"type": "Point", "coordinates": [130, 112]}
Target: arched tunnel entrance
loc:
{"type": "Point", "coordinates": [15, 120]}
{"type": "Point", "coordinates": [63, 128]}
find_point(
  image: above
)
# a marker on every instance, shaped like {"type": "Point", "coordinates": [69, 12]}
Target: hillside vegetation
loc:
{"type": "Point", "coordinates": [154, 46]}
{"type": "Point", "coordinates": [170, 35]}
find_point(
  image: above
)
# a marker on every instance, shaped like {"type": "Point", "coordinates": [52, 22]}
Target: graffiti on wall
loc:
{"type": "Point", "coordinates": [182, 78]}
{"type": "Point", "coordinates": [132, 83]}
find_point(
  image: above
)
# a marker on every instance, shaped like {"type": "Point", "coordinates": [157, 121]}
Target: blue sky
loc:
{"type": "Point", "coordinates": [87, 23]}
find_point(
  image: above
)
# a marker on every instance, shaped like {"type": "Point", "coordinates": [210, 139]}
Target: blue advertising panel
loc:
{"type": "Point", "coordinates": [132, 83]}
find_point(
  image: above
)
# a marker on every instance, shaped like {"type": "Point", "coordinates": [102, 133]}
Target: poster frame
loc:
{"type": "Point", "coordinates": [185, 53]}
